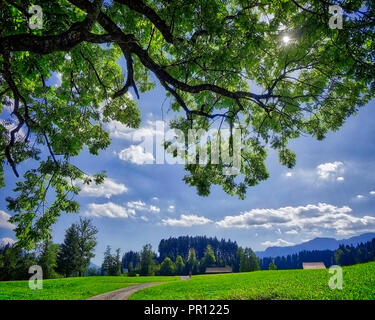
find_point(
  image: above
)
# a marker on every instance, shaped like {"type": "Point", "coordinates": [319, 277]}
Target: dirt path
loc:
{"type": "Point", "coordinates": [123, 294]}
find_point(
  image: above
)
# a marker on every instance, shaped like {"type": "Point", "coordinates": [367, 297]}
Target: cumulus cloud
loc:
{"type": "Point", "coordinates": [141, 206]}
{"type": "Point", "coordinates": [277, 243]}
{"type": "Point", "coordinates": [137, 155]}
{"type": "Point", "coordinates": [149, 131]}
{"type": "Point", "coordinates": [309, 218]}
{"type": "Point", "coordinates": [107, 189]}
{"type": "Point", "coordinates": [186, 221]}
{"type": "Point", "coordinates": [340, 179]}
{"type": "Point", "coordinates": [330, 170]}
{"type": "Point", "coordinates": [6, 241]}
{"type": "Point", "coordinates": [154, 209]}
{"type": "Point", "coordinates": [372, 193]}
{"type": "Point", "coordinates": [171, 208]}
{"type": "Point", "coordinates": [109, 209]}
{"type": "Point", "coordinates": [4, 221]}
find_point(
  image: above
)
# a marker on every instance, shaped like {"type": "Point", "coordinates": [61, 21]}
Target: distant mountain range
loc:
{"type": "Point", "coordinates": [5, 241]}
{"type": "Point", "coordinates": [314, 244]}
{"type": "Point", "coordinates": [94, 266]}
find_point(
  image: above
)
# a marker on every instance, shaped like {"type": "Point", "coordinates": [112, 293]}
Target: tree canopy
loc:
{"type": "Point", "coordinates": [222, 61]}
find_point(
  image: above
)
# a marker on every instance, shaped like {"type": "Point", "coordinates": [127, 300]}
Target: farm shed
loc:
{"type": "Point", "coordinates": [313, 265]}
{"type": "Point", "coordinates": [219, 270]}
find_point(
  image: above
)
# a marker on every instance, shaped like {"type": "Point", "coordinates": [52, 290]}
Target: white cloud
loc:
{"type": "Point", "coordinates": [186, 221]}
{"type": "Point", "coordinates": [109, 209]}
{"type": "Point", "coordinates": [288, 174]}
{"type": "Point", "coordinates": [136, 155]}
{"type": "Point", "coordinates": [154, 209]}
{"type": "Point", "coordinates": [340, 179]}
{"type": "Point", "coordinates": [309, 219]}
{"type": "Point", "coordinates": [6, 241]}
{"type": "Point", "coordinates": [155, 199]}
{"type": "Point", "coordinates": [291, 232]}
{"type": "Point", "coordinates": [372, 193]}
{"type": "Point", "coordinates": [359, 196]}
{"type": "Point", "coordinates": [107, 189]}
{"type": "Point", "coordinates": [277, 243]}
{"type": "Point", "coordinates": [141, 206]}
{"type": "Point", "coordinates": [121, 131]}
{"type": "Point", "coordinates": [58, 79]}
{"type": "Point", "coordinates": [144, 218]}
{"type": "Point", "coordinates": [4, 223]}
{"type": "Point", "coordinates": [330, 170]}
{"type": "Point", "coordinates": [171, 208]}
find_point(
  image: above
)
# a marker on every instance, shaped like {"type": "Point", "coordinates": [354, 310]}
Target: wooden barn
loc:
{"type": "Point", "coordinates": [219, 270]}
{"type": "Point", "coordinates": [313, 265]}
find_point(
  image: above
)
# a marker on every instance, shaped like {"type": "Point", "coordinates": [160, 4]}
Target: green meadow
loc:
{"type": "Point", "coordinates": [358, 283]}
{"type": "Point", "coordinates": [72, 288]}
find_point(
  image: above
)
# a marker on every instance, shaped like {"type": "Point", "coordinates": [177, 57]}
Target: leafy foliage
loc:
{"type": "Point", "coordinates": [222, 61]}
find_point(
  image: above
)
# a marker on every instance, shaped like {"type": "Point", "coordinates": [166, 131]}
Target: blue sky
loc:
{"type": "Point", "coordinates": [330, 192]}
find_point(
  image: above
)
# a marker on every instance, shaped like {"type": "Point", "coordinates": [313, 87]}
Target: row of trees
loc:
{"type": "Point", "coordinates": [146, 262]}
{"type": "Point", "coordinates": [224, 250]}
{"type": "Point", "coordinates": [294, 261]}
{"type": "Point", "coordinates": [71, 258]}
{"type": "Point", "coordinates": [348, 255]}
{"type": "Point", "coordinates": [343, 256]}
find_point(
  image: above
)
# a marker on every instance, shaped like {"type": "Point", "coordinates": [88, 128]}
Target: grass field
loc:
{"type": "Point", "coordinates": [71, 288]}
{"type": "Point", "coordinates": [358, 283]}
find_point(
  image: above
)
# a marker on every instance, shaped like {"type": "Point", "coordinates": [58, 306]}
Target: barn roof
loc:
{"type": "Point", "coordinates": [219, 270]}
{"type": "Point", "coordinates": [313, 265]}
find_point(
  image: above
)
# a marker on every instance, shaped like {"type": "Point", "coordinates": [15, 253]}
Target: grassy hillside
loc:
{"type": "Point", "coordinates": [71, 288]}
{"type": "Point", "coordinates": [358, 283]}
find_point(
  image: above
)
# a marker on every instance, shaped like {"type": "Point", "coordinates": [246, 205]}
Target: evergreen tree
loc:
{"type": "Point", "coordinates": [118, 263]}
{"type": "Point", "coordinates": [48, 259]}
{"type": "Point", "coordinates": [107, 262]}
{"type": "Point", "coordinates": [68, 258]}
{"type": "Point", "coordinates": [131, 270]}
{"type": "Point", "coordinates": [167, 267]}
{"type": "Point", "coordinates": [147, 261]}
{"type": "Point", "coordinates": [131, 256]}
{"type": "Point", "coordinates": [244, 261]}
{"type": "Point", "coordinates": [180, 265]}
{"type": "Point", "coordinates": [15, 263]}
{"type": "Point", "coordinates": [192, 262]}
{"type": "Point", "coordinates": [253, 260]}
{"type": "Point", "coordinates": [86, 244]}
{"type": "Point", "coordinates": [77, 250]}
{"type": "Point", "coordinates": [111, 265]}
{"type": "Point", "coordinates": [208, 259]}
